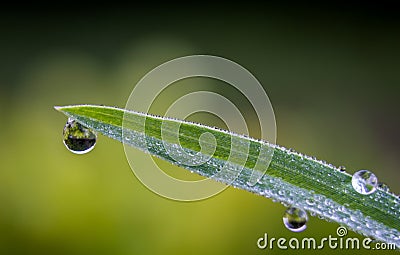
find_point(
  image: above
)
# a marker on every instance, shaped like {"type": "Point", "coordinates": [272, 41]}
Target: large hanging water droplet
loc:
{"type": "Point", "coordinates": [77, 138]}
{"type": "Point", "coordinates": [364, 182]}
{"type": "Point", "coordinates": [295, 219]}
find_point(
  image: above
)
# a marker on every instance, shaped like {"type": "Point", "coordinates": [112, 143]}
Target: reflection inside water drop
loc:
{"type": "Point", "coordinates": [295, 219]}
{"type": "Point", "coordinates": [77, 138]}
{"type": "Point", "coordinates": [364, 182]}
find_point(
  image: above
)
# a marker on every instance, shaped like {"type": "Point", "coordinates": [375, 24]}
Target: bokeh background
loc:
{"type": "Point", "coordinates": [332, 74]}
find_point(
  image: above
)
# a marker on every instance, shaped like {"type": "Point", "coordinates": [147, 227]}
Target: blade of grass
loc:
{"type": "Point", "coordinates": [291, 178]}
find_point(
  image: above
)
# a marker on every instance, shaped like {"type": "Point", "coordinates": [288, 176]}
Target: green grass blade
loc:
{"type": "Point", "coordinates": [291, 178]}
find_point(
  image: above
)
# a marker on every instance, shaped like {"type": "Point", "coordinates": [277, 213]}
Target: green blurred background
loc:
{"type": "Point", "coordinates": [332, 74]}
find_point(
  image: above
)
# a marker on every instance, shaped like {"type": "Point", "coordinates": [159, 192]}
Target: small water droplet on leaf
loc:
{"type": "Point", "coordinates": [295, 219]}
{"type": "Point", "coordinates": [383, 186]}
{"type": "Point", "coordinates": [310, 201]}
{"type": "Point", "coordinates": [78, 138]}
{"type": "Point", "coordinates": [364, 182]}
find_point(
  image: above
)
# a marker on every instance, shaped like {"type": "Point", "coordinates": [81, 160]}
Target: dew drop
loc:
{"type": "Point", "coordinates": [383, 186]}
{"type": "Point", "coordinates": [285, 204]}
{"type": "Point", "coordinates": [78, 138]}
{"type": "Point", "coordinates": [364, 182]}
{"type": "Point", "coordinates": [295, 219]}
{"type": "Point", "coordinates": [342, 208]}
{"type": "Point", "coordinates": [310, 201]}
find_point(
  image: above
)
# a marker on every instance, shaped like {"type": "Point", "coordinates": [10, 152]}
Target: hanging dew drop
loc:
{"type": "Point", "coordinates": [295, 219]}
{"type": "Point", "coordinates": [364, 182]}
{"type": "Point", "coordinates": [78, 138]}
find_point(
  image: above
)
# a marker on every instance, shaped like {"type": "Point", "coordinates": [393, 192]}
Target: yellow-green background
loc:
{"type": "Point", "coordinates": [332, 75]}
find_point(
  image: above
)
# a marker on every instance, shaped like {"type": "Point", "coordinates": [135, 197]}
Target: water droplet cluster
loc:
{"type": "Point", "coordinates": [323, 206]}
{"type": "Point", "coordinates": [79, 139]}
